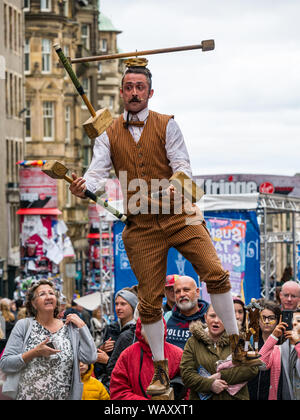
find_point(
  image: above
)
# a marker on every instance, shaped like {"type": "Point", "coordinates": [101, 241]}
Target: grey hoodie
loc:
{"type": "Point", "coordinates": [12, 362]}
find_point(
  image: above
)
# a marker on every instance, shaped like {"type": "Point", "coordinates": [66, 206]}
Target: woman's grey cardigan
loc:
{"type": "Point", "coordinates": [12, 363]}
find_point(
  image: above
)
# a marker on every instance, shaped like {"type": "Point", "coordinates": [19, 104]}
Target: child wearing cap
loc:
{"type": "Point", "coordinates": [169, 292]}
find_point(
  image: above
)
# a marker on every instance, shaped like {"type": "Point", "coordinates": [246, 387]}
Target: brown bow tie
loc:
{"type": "Point", "coordinates": [135, 123]}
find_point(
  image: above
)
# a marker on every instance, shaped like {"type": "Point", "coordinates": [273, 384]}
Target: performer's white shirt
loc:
{"type": "Point", "coordinates": [99, 169]}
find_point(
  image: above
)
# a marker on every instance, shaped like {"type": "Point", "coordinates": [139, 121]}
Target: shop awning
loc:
{"type": "Point", "coordinates": [39, 212]}
{"type": "Point", "coordinates": [93, 300]}
{"type": "Point", "coordinates": [93, 236]}
{"type": "Point", "coordinates": [105, 235]}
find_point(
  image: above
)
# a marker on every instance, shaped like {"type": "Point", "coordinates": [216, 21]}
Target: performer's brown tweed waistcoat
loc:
{"type": "Point", "coordinates": [144, 160]}
{"type": "Point", "coordinates": [149, 236]}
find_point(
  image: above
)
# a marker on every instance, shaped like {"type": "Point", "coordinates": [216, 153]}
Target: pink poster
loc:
{"type": "Point", "coordinates": [229, 239]}
{"type": "Point", "coordinates": [37, 190]}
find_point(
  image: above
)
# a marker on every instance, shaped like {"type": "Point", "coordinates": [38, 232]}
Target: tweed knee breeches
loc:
{"type": "Point", "coordinates": [147, 241]}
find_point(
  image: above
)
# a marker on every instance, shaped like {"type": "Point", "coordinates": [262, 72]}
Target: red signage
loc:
{"type": "Point", "coordinates": [266, 188]}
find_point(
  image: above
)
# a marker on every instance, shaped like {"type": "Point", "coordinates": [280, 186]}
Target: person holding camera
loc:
{"type": "Point", "coordinates": [41, 358]}
{"type": "Point", "coordinates": [283, 362]}
{"type": "Point", "coordinates": [270, 316]}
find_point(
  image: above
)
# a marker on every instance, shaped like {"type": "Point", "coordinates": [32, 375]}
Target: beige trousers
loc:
{"type": "Point", "coordinates": [147, 241]}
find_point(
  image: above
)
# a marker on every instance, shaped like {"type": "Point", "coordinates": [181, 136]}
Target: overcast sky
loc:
{"type": "Point", "coordinates": [239, 105]}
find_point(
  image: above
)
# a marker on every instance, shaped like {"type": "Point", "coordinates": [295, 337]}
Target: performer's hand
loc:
{"type": "Point", "coordinates": [195, 215]}
{"type": "Point", "coordinates": [78, 186]}
{"type": "Point", "coordinates": [170, 191]}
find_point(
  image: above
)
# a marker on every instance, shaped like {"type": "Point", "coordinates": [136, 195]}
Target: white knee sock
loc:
{"type": "Point", "coordinates": [155, 335]}
{"type": "Point", "coordinates": [223, 306]}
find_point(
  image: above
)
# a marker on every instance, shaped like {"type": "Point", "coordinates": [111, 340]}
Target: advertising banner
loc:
{"type": "Point", "coordinates": [124, 276]}
{"type": "Point", "coordinates": [252, 278]}
{"type": "Point", "coordinates": [229, 239]}
{"type": "Point", "coordinates": [37, 190]}
{"type": "Point", "coordinates": [250, 184]}
{"type": "Point", "coordinates": [237, 241]}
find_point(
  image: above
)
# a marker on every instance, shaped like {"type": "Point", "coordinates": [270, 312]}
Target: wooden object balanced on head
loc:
{"type": "Point", "coordinates": [207, 45]}
{"type": "Point", "coordinates": [102, 119]}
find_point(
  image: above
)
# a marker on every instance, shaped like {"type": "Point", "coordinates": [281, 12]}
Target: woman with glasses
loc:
{"type": "Point", "coordinates": [283, 361]}
{"type": "Point", "coordinates": [41, 359]}
{"type": "Point", "coordinates": [269, 319]}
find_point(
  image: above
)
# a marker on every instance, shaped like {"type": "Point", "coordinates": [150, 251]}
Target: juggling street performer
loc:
{"type": "Point", "coordinates": [149, 146]}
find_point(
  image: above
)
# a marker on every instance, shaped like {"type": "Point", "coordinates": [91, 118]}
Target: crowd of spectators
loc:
{"type": "Point", "coordinates": [116, 362]}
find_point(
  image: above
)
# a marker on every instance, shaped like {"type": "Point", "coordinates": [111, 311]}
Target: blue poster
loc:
{"type": "Point", "coordinates": [252, 279]}
{"type": "Point", "coordinates": [177, 264]}
{"type": "Point", "coordinates": [124, 276]}
{"type": "Point", "coordinates": [229, 239]}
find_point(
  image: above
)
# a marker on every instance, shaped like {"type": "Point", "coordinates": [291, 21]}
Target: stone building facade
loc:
{"type": "Point", "coordinates": [54, 110]}
{"type": "Point", "coordinates": [11, 135]}
{"type": "Point", "coordinates": [109, 76]}
{"type": "Point", "coordinates": [110, 71]}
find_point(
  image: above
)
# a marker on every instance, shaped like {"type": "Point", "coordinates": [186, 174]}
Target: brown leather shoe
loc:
{"type": "Point", "coordinates": [160, 382]}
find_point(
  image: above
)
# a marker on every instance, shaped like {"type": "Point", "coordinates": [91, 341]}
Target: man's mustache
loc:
{"type": "Point", "coordinates": [184, 299]}
{"type": "Point", "coordinates": [135, 99]}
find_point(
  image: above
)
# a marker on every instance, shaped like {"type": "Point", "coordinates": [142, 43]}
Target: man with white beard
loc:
{"type": "Point", "coordinates": [188, 307]}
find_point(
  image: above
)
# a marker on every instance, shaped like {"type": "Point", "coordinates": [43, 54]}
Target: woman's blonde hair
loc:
{"type": "Point", "coordinates": [22, 313]}
{"type": "Point", "coordinates": [95, 312]}
{"type": "Point", "coordinates": [6, 312]}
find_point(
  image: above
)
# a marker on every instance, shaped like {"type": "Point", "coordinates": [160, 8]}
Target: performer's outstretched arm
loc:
{"type": "Point", "coordinates": [98, 172]}
{"type": "Point", "coordinates": [176, 149]}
